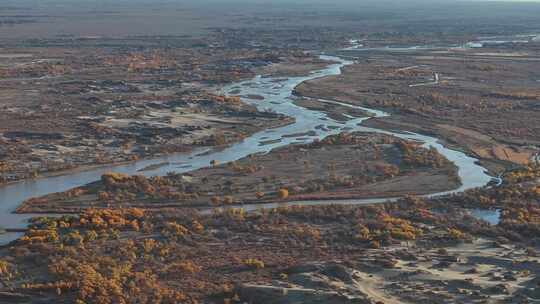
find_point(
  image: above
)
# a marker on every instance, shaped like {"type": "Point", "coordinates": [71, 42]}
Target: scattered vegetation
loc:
{"type": "Point", "coordinates": [129, 255]}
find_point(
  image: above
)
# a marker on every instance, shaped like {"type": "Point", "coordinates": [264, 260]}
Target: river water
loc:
{"type": "Point", "coordinates": [277, 97]}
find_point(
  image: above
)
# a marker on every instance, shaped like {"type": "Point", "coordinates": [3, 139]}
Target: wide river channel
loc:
{"type": "Point", "coordinates": [277, 97]}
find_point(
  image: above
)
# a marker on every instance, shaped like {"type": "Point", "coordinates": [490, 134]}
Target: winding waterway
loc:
{"type": "Point", "coordinates": [277, 97]}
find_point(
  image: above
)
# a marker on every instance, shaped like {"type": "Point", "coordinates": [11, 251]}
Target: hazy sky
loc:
{"type": "Point", "coordinates": [190, 17]}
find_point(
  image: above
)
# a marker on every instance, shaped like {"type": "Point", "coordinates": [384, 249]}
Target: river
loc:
{"type": "Point", "coordinates": [276, 93]}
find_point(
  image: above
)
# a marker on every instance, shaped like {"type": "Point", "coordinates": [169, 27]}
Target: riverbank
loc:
{"type": "Point", "coordinates": [125, 106]}
{"type": "Point", "coordinates": [434, 237]}
{"type": "Point", "coordinates": [338, 253]}
{"type": "Point", "coordinates": [148, 159]}
{"type": "Point", "coordinates": [369, 165]}
{"type": "Point", "coordinates": [486, 107]}
{"type": "Point", "coordinates": [276, 93]}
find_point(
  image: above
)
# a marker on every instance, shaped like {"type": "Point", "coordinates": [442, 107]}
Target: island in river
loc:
{"type": "Point", "coordinates": [368, 165]}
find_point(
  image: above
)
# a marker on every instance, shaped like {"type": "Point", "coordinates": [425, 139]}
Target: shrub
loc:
{"type": "Point", "coordinates": [215, 200]}
{"type": "Point", "coordinates": [180, 268]}
{"type": "Point", "coordinates": [228, 200]}
{"type": "Point", "coordinates": [283, 193]}
{"type": "Point", "coordinates": [175, 229]}
{"type": "Point", "coordinates": [254, 263]}
{"type": "Point", "coordinates": [456, 234]}
{"type": "Point", "coordinates": [4, 268]}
